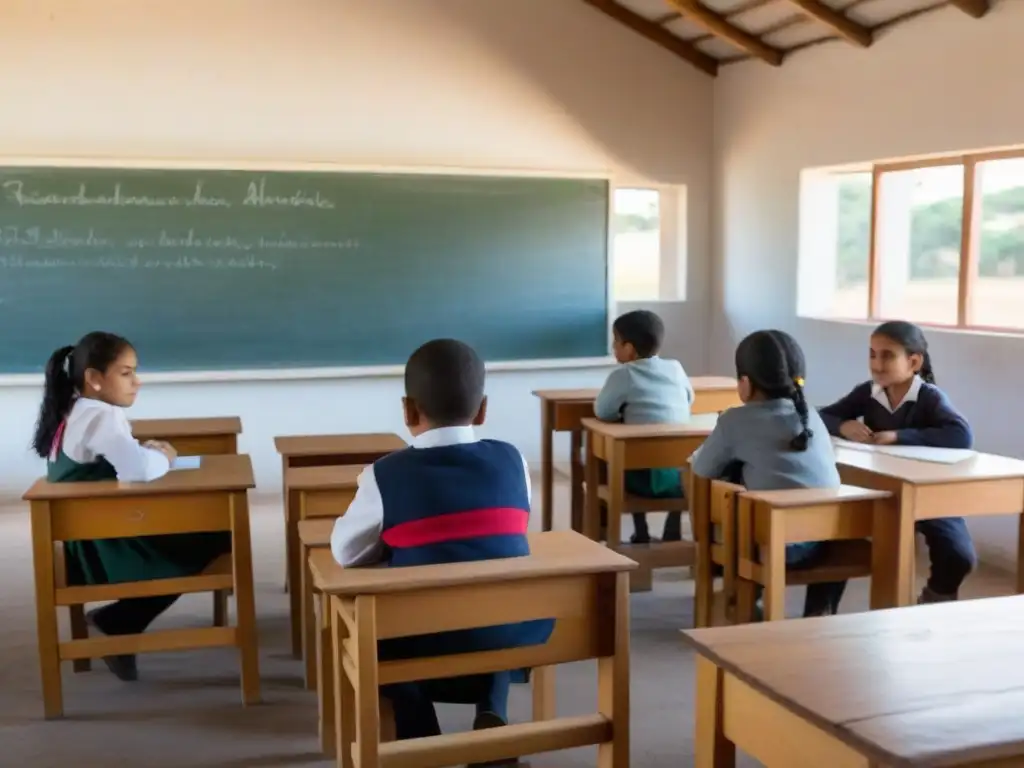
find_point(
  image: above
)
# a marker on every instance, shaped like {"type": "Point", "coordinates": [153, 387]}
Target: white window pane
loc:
{"type": "Point", "coordinates": [637, 245]}
{"type": "Point", "coordinates": [997, 298]}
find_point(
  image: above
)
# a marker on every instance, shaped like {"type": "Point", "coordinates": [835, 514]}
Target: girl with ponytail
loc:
{"type": "Point", "coordinates": [901, 405]}
{"type": "Point", "coordinates": [85, 436]}
{"type": "Point", "coordinates": [774, 442]}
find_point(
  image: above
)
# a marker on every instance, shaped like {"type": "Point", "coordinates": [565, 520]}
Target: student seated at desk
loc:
{"type": "Point", "coordinates": [646, 389]}
{"type": "Point", "coordinates": [450, 497]}
{"type": "Point", "coordinates": [774, 442]}
{"type": "Point", "coordinates": [84, 435]}
{"type": "Point", "coordinates": [902, 406]}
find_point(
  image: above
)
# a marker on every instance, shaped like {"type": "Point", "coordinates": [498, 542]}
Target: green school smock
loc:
{"type": "Point", "coordinates": [660, 483]}
{"type": "Point", "coordinates": [139, 558]}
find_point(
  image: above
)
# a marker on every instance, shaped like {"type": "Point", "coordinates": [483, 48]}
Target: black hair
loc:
{"type": "Point", "coordinates": [445, 378]}
{"type": "Point", "coordinates": [641, 328]}
{"type": "Point", "coordinates": [912, 339]}
{"type": "Point", "coordinates": [774, 364]}
{"type": "Point", "coordinates": [65, 379]}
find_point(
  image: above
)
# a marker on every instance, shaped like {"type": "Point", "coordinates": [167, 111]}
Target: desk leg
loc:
{"type": "Point", "coordinates": [613, 670]}
{"type": "Point", "coordinates": [1020, 554]}
{"type": "Point", "coordinates": [547, 480]}
{"type": "Point", "coordinates": [309, 633]}
{"type": "Point", "coordinates": [296, 512]}
{"type": "Point", "coordinates": [616, 492]}
{"type": "Point", "coordinates": [698, 491]}
{"type": "Point", "coordinates": [325, 676]}
{"type": "Point", "coordinates": [543, 679]}
{"type": "Point", "coordinates": [46, 611]}
{"type": "Point", "coordinates": [591, 502]}
{"type": "Point", "coordinates": [344, 689]}
{"type": "Point", "coordinates": [576, 479]}
{"type": "Point", "coordinates": [892, 550]}
{"type": "Point", "coordinates": [287, 519]}
{"type": "Point", "coordinates": [367, 704]}
{"type": "Point", "coordinates": [245, 598]}
{"type": "Point", "coordinates": [712, 748]}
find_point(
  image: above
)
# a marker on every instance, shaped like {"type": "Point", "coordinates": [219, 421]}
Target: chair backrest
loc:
{"type": "Point", "coordinates": [723, 499]}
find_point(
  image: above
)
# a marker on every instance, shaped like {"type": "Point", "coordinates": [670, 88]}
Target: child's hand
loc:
{"type": "Point", "coordinates": [884, 438]}
{"type": "Point", "coordinates": [855, 431]}
{"type": "Point", "coordinates": [165, 448]}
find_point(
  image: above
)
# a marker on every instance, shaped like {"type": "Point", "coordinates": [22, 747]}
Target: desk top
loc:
{"type": "Point", "coordinates": [932, 685]}
{"type": "Point", "coordinates": [981, 466]}
{"type": "Point", "coordinates": [317, 445]}
{"type": "Point", "coordinates": [316, 531]}
{"type": "Point", "coordinates": [155, 429]}
{"type": "Point", "coordinates": [699, 384]}
{"type": "Point", "coordinates": [801, 497]}
{"type": "Point", "coordinates": [231, 472]}
{"type": "Point", "coordinates": [699, 425]}
{"type": "Point", "coordinates": [339, 477]}
{"type": "Point", "coordinates": [553, 553]}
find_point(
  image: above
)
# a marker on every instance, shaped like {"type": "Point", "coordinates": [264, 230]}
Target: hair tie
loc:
{"type": "Point", "coordinates": [799, 381]}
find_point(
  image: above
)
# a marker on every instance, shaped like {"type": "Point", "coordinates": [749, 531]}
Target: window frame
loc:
{"type": "Point", "coordinates": [673, 239]}
{"type": "Point", "coordinates": [970, 237]}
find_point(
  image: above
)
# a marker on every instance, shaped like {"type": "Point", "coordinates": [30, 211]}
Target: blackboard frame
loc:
{"type": "Point", "coordinates": [341, 372]}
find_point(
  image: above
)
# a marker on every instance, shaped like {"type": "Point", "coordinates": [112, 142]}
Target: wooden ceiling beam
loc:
{"type": "Point", "coordinates": [717, 25]}
{"type": "Point", "coordinates": [841, 24]}
{"type": "Point", "coordinates": [657, 34]}
{"type": "Point", "coordinates": [975, 8]}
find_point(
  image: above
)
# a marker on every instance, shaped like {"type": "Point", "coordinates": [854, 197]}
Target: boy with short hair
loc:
{"type": "Point", "coordinates": [450, 497]}
{"type": "Point", "coordinates": [646, 389]}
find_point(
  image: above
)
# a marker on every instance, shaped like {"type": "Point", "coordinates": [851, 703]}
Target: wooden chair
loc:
{"type": "Point", "coordinates": [581, 584]}
{"type": "Point", "coordinates": [714, 509]}
{"type": "Point", "coordinates": [769, 520]}
{"type": "Point", "coordinates": [316, 534]}
{"type": "Point", "coordinates": [212, 498]}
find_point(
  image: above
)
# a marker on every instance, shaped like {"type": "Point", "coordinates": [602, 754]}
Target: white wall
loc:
{"type": "Point", "coordinates": [942, 82]}
{"type": "Point", "coordinates": [531, 84]}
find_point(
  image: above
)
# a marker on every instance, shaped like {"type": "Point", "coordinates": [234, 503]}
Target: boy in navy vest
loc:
{"type": "Point", "coordinates": [450, 497]}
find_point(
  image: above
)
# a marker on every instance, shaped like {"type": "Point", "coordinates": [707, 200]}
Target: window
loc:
{"type": "Point", "coordinates": [939, 242]}
{"type": "Point", "coordinates": [647, 244]}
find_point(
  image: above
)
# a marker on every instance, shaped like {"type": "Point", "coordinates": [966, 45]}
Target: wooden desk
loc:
{"type": "Point", "coordinates": [637, 446]}
{"type": "Point", "coordinates": [320, 451]}
{"type": "Point", "coordinates": [323, 495]}
{"type": "Point", "coordinates": [931, 685]}
{"type": "Point", "coordinates": [923, 490]}
{"type": "Point", "coordinates": [563, 410]}
{"type": "Point", "coordinates": [581, 584]}
{"type": "Point", "coordinates": [192, 437]}
{"type": "Point", "coordinates": [211, 498]}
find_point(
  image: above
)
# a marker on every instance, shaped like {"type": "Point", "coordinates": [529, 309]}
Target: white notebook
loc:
{"type": "Point", "coordinates": [915, 452]}
{"type": "Point", "coordinates": [187, 462]}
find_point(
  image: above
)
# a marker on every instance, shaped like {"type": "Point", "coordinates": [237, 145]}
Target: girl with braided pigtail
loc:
{"type": "Point", "coordinates": [774, 441]}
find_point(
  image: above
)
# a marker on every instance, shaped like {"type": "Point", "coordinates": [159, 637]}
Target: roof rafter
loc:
{"type": "Point", "coordinates": [717, 25]}
{"type": "Point", "coordinates": [975, 8]}
{"type": "Point", "coordinates": [657, 34]}
{"type": "Point", "coordinates": [840, 23]}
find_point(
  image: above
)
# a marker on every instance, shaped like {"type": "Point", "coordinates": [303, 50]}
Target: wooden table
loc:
{"type": "Point", "coordinates": [579, 583]}
{"type": "Point", "coordinates": [324, 494]}
{"type": "Point", "coordinates": [321, 451]}
{"type": "Point", "coordinates": [563, 410]}
{"type": "Point", "coordinates": [637, 446]}
{"type": "Point", "coordinates": [192, 437]}
{"type": "Point", "coordinates": [924, 490]}
{"type": "Point", "coordinates": [210, 498]}
{"type": "Point", "coordinates": [926, 686]}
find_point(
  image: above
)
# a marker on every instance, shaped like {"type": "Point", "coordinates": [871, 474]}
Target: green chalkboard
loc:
{"type": "Point", "coordinates": [229, 269]}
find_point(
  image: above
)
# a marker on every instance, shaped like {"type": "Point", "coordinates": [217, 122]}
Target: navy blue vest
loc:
{"type": "Point", "coordinates": [450, 504]}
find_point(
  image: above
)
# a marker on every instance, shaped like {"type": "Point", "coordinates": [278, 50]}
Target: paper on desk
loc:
{"type": "Point", "coordinates": [915, 452]}
{"type": "Point", "coordinates": [186, 462]}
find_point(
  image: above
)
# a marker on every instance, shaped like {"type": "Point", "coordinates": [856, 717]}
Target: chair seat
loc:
{"type": "Point", "coordinates": [639, 504]}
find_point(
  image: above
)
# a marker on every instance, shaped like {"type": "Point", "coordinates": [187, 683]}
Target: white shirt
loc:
{"type": "Point", "coordinates": [96, 429]}
{"type": "Point", "coordinates": [356, 538]}
{"type": "Point", "coordinates": [879, 396]}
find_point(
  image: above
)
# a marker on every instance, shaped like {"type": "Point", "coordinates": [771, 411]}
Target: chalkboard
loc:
{"type": "Point", "coordinates": [231, 269]}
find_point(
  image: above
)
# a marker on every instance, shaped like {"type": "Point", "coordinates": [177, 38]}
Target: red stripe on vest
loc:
{"type": "Point", "coordinates": [457, 525]}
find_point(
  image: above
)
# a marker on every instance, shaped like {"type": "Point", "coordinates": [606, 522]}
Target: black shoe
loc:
{"type": "Point", "coordinates": [485, 720]}
{"type": "Point", "coordinates": [673, 530]}
{"type": "Point", "coordinates": [123, 665]}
